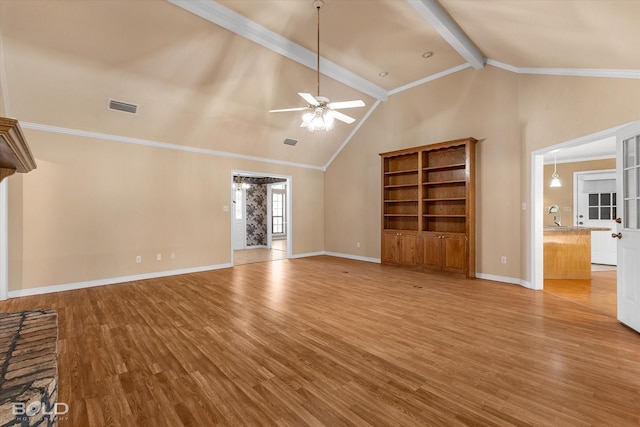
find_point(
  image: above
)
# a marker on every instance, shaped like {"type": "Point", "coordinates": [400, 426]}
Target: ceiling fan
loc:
{"type": "Point", "coordinates": [320, 112]}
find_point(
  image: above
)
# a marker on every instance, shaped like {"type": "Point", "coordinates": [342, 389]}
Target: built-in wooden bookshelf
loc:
{"type": "Point", "coordinates": [428, 209]}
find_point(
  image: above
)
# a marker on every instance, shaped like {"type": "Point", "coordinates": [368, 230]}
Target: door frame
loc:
{"type": "Point", "coordinates": [536, 252]}
{"type": "Point", "coordinates": [289, 225]}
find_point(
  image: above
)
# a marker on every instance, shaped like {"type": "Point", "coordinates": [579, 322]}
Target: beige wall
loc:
{"type": "Point", "coordinates": [481, 104]}
{"type": "Point", "coordinates": [512, 116]}
{"type": "Point", "coordinates": [92, 206]}
{"type": "Point", "coordinates": [563, 196]}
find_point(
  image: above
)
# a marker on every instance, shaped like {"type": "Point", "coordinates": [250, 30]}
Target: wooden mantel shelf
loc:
{"type": "Point", "coordinates": [15, 155]}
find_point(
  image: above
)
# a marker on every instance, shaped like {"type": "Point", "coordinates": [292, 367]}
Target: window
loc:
{"type": "Point", "coordinates": [602, 206]}
{"type": "Point", "coordinates": [278, 209]}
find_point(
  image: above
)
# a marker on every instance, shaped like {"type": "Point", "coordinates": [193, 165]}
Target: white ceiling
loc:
{"type": "Point", "coordinates": [601, 149]}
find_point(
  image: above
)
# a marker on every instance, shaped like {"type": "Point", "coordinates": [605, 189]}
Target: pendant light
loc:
{"type": "Point", "coordinates": [555, 181]}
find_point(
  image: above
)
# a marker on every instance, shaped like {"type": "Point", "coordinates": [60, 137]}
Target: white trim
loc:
{"type": "Point", "coordinates": [238, 24]}
{"type": "Point", "coordinates": [575, 72]}
{"type": "Point", "coordinates": [583, 159]}
{"type": "Point", "coordinates": [112, 281]}
{"type": "Point", "coordinates": [504, 279]}
{"type": "Point", "coordinates": [4, 240]}
{"type": "Point", "coordinates": [307, 254]}
{"type": "Point", "coordinates": [429, 78]}
{"type": "Point", "coordinates": [431, 11]}
{"type": "Point", "coordinates": [351, 135]}
{"type": "Point", "coordinates": [149, 143]}
{"type": "Point", "coordinates": [354, 257]}
{"type": "Point", "coordinates": [257, 247]}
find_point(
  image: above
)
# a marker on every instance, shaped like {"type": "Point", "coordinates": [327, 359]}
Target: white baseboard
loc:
{"type": "Point", "coordinates": [504, 279]}
{"type": "Point", "coordinates": [112, 281]}
{"type": "Point", "coordinates": [256, 247]}
{"type": "Point", "coordinates": [123, 279]}
{"type": "Point", "coordinates": [308, 254]}
{"type": "Point", "coordinates": [354, 257]}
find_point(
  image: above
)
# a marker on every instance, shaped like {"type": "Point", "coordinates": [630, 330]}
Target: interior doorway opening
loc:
{"type": "Point", "coordinates": [260, 217]}
{"type": "Point", "coordinates": [600, 291]}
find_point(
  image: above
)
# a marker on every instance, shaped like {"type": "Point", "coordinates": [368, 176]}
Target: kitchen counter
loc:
{"type": "Point", "coordinates": [573, 228]}
{"type": "Point", "coordinates": [567, 252]}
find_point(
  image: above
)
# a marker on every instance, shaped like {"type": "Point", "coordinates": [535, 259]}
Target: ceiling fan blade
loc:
{"type": "Point", "coordinates": [343, 117]}
{"type": "Point", "coordinates": [346, 104]}
{"type": "Point", "coordinates": [288, 109]}
{"type": "Point", "coordinates": [309, 98]}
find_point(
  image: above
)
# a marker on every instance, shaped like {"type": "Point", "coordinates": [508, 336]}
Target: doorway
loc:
{"type": "Point", "coordinates": [261, 226]}
{"type": "Point", "coordinates": [599, 292]}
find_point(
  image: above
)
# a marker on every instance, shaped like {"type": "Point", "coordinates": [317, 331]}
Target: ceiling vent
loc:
{"type": "Point", "coordinates": [291, 142]}
{"type": "Point", "coordinates": [122, 106]}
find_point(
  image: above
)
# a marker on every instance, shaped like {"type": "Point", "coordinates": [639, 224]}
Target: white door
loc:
{"type": "Point", "coordinates": [596, 207]}
{"type": "Point", "coordinates": [628, 231]}
{"type": "Point", "coordinates": [239, 219]}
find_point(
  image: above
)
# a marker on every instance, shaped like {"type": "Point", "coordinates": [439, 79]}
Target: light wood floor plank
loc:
{"type": "Point", "coordinates": [327, 341]}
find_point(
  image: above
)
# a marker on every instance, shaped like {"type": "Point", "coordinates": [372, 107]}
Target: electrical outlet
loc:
{"type": "Point", "coordinates": [358, 245]}
{"type": "Point", "coordinates": [567, 208]}
{"type": "Point", "coordinates": [138, 259]}
{"type": "Point", "coordinates": [159, 257]}
{"type": "Point", "coordinates": [524, 206]}
{"type": "Point", "coordinates": [503, 260]}
{"type": "Point", "coordinates": [173, 255]}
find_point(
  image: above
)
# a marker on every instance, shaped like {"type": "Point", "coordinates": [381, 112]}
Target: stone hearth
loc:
{"type": "Point", "coordinates": [28, 368]}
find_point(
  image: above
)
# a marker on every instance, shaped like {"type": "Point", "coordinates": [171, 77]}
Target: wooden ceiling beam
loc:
{"type": "Point", "coordinates": [440, 20]}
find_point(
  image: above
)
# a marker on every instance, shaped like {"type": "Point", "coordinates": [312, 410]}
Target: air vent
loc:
{"type": "Point", "coordinates": [291, 142]}
{"type": "Point", "coordinates": [122, 106]}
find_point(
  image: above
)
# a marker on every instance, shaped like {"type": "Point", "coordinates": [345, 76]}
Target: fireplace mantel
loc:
{"type": "Point", "coordinates": [15, 155]}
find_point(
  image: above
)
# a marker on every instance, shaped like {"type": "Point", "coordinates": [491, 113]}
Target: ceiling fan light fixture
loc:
{"type": "Point", "coordinates": [319, 119]}
{"type": "Point", "coordinates": [320, 114]}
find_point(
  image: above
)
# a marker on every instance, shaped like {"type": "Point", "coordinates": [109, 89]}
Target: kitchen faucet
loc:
{"type": "Point", "coordinates": [555, 209]}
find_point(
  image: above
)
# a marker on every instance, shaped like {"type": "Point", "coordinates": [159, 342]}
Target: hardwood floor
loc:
{"type": "Point", "coordinates": [599, 293]}
{"type": "Point", "coordinates": [328, 341]}
{"type": "Point", "coordinates": [277, 252]}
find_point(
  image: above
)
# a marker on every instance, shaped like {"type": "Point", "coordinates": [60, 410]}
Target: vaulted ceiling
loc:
{"type": "Point", "coordinates": [205, 73]}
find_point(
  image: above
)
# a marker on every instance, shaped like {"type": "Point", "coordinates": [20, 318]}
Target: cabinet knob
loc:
{"type": "Point", "coordinates": [618, 220]}
{"type": "Point", "coordinates": [617, 235]}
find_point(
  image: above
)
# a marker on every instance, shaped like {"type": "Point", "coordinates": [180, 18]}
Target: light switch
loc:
{"type": "Point", "coordinates": [225, 208]}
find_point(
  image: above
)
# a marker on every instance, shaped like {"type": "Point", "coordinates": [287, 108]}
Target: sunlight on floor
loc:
{"type": "Point", "coordinates": [249, 256]}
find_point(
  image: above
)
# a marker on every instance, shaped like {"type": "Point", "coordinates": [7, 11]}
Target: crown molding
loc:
{"type": "Point", "coordinates": [238, 24]}
{"type": "Point", "coordinates": [575, 72]}
{"type": "Point", "coordinates": [433, 13]}
{"type": "Point", "coordinates": [149, 143]}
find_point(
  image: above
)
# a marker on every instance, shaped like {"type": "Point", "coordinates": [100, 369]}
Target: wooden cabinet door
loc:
{"type": "Point", "coordinates": [409, 249]}
{"type": "Point", "coordinates": [390, 248]}
{"type": "Point", "coordinates": [431, 250]}
{"type": "Point", "coordinates": [454, 249]}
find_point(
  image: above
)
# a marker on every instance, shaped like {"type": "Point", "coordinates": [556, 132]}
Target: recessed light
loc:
{"type": "Point", "coordinates": [383, 74]}
{"type": "Point", "coordinates": [428, 54]}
